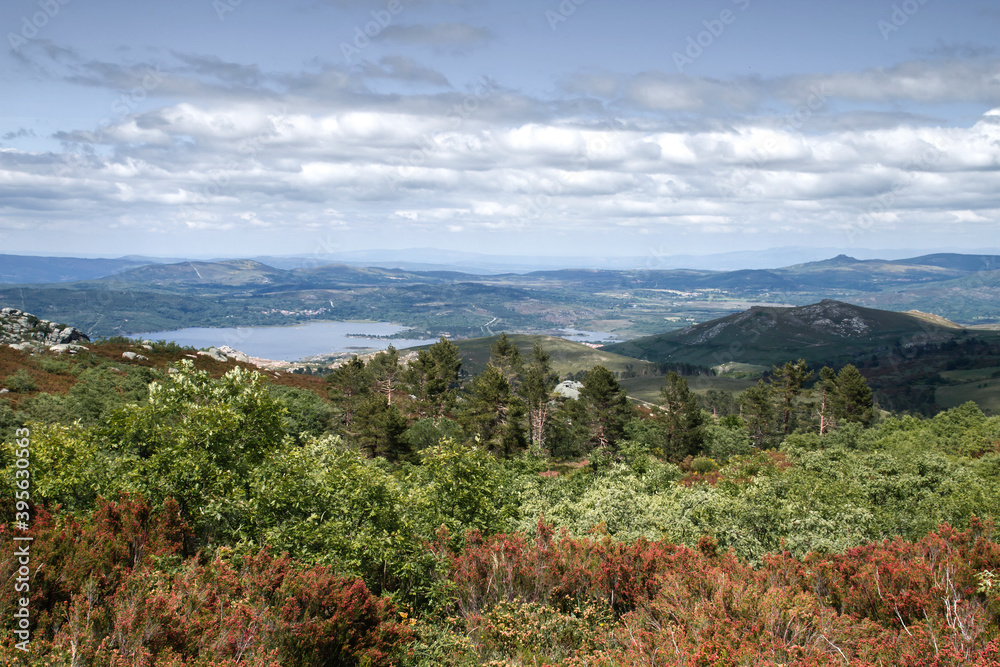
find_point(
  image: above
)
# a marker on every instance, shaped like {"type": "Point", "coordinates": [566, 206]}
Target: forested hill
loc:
{"type": "Point", "coordinates": [627, 303]}
{"type": "Point", "coordinates": [828, 332]}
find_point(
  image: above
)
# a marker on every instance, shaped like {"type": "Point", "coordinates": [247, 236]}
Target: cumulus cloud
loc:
{"type": "Point", "coordinates": [293, 146]}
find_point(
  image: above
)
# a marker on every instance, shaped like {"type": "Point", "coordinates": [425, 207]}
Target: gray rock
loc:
{"type": "Point", "coordinates": [67, 347]}
{"type": "Point", "coordinates": [234, 354]}
{"type": "Point", "coordinates": [213, 353]}
{"type": "Point", "coordinates": [17, 326]}
{"type": "Point", "coordinates": [568, 389]}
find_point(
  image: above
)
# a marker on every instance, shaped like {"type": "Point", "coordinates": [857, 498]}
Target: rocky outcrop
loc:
{"type": "Point", "coordinates": [213, 353]}
{"type": "Point", "coordinates": [23, 330]}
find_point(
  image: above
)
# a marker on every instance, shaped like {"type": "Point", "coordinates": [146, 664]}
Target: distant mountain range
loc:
{"type": "Point", "coordinates": [30, 269]}
{"type": "Point", "coordinates": [138, 296]}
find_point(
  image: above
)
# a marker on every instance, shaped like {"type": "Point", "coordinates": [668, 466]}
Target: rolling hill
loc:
{"type": "Point", "coordinates": [567, 356]}
{"type": "Point", "coordinates": [24, 269]}
{"type": "Point", "coordinates": [828, 332]}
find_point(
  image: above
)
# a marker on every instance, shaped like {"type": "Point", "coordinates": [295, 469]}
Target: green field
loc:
{"type": "Point", "coordinates": [979, 385]}
{"type": "Point", "coordinates": [648, 388]}
{"type": "Point", "coordinates": [567, 356]}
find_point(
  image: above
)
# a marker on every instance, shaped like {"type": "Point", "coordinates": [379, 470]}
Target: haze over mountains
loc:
{"type": "Point", "coordinates": [834, 311]}
{"type": "Point", "coordinates": [53, 269]}
{"type": "Point", "coordinates": [135, 296]}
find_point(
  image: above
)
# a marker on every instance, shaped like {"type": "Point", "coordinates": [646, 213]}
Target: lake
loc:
{"type": "Point", "coordinates": [581, 336]}
{"type": "Point", "coordinates": [291, 343]}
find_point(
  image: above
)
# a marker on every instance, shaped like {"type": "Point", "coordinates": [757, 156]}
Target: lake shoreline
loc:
{"type": "Point", "coordinates": [293, 343]}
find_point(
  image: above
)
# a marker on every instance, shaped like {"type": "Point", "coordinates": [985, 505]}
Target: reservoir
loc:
{"type": "Point", "coordinates": [291, 343]}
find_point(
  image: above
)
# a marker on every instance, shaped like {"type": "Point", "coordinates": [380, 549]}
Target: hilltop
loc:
{"type": "Point", "coordinates": [828, 332]}
{"type": "Point", "coordinates": [24, 331]}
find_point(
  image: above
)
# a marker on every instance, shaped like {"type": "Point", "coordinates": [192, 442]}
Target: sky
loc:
{"type": "Point", "coordinates": [201, 128]}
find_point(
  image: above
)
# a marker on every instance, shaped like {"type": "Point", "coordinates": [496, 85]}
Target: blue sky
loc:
{"type": "Point", "coordinates": [248, 127]}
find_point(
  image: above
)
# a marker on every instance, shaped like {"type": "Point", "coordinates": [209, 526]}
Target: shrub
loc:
{"type": "Point", "coordinates": [20, 381]}
{"type": "Point", "coordinates": [704, 465]}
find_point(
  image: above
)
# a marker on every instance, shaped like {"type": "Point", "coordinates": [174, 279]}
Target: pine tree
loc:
{"type": "Point", "coordinates": [607, 407]}
{"type": "Point", "coordinates": [758, 413]}
{"type": "Point", "coordinates": [827, 388]}
{"type": "Point", "coordinates": [380, 428]}
{"type": "Point", "coordinates": [507, 357]}
{"type": "Point", "coordinates": [386, 371]}
{"type": "Point", "coordinates": [433, 376]}
{"type": "Point", "coordinates": [349, 383]}
{"type": "Point", "coordinates": [535, 391]}
{"type": "Point", "coordinates": [787, 382]}
{"type": "Point", "coordinates": [680, 418]}
{"type": "Point", "coordinates": [844, 397]}
{"type": "Point", "coordinates": [853, 398]}
{"type": "Point", "coordinates": [493, 413]}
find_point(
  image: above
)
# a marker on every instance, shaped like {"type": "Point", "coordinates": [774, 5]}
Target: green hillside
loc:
{"type": "Point", "coordinates": [567, 356]}
{"type": "Point", "coordinates": [230, 273]}
{"type": "Point", "coordinates": [829, 332]}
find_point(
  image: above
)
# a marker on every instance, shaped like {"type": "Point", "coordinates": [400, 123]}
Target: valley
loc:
{"type": "Point", "coordinates": [652, 319]}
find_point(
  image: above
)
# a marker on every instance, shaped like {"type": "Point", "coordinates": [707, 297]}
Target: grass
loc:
{"type": "Point", "coordinates": [648, 388]}
{"type": "Point", "coordinates": [971, 375]}
{"type": "Point", "coordinates": [985, 394]}
{"type": "Point", "coordinates": [567, 356]}
{"type": "Point", "coordinates": [740, 371]}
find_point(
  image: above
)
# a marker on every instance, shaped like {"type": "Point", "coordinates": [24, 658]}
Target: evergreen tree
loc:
{"type": "Point", "coordinates": [535, 391]}
{"type": "Point", "coordinates": [349, 383]}
{"type": "Point", "coordinates": [386, 371]}
{"type": "Point", "coordinates": [853, 397]}
{"type": "Point", "coordinates": [507, 357]}
{"type": "Point", "coordinates": [758, 413]}
{"type": "Point", "coordinates": [607, 407]}
{"type": "Point", "coordinates": [787, 382]}
{"type": "Point", "coordinates": [844, 397]}
{"type": "Point", "coordinates": [720, 403]}
{"type": "Point", "coordinates": [827, 386]}
{"type": "Point", "coordinates": [680, 418]}
{"type": "Point", "coordinates": [493, 413]}
{"type": "Point", "coordinates": [433, 376]}
{"type": "Point", "coordinates": [380, 428]}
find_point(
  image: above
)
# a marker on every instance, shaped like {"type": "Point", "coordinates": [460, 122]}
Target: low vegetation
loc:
{"type": "Point", "coordinates": [192, 512]}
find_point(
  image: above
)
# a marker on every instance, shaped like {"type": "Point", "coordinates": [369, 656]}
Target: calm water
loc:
{"type": "Point", "coordinates": [581, 336]}
{"type": "Point", "coordinates": [291, 343]}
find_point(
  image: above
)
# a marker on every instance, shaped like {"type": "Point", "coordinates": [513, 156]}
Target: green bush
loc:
{"type": "Point", "coordinates": [703, 465]}
{"type": "Point", "coordinates": [20, 381]}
